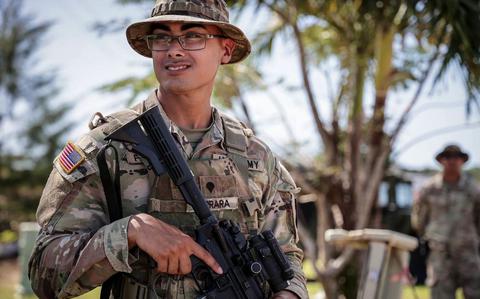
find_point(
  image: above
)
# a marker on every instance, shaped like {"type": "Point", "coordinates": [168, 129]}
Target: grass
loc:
{"type": "Point", "coordinates": [423, 293]}
{"type": "Point", "coordinates": [8, 292]}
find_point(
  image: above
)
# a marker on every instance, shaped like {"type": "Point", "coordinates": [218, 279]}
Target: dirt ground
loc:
{"type": "Point", "coordinates": [9, 272]}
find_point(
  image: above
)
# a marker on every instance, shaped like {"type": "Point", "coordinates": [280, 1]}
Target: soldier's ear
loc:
{"type": "Point", "coordinates": [228, 47]}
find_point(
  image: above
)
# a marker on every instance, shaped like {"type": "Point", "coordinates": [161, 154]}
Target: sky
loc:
{"type": "Point", "coordinates": [85, 61]}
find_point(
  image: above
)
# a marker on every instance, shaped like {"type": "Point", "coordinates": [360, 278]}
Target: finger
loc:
{"type": "Point", "coordinates": [173, 264]}
{"type": "Point", "coordinates": [185, 265]}
{"type": "Point", "coordinates": [206, 257]}
{"type": "Point", "coordinates": [162, 265]}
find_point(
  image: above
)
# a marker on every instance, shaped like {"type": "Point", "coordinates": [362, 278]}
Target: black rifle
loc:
{"type": "Point", "coordinates": [247, 265]}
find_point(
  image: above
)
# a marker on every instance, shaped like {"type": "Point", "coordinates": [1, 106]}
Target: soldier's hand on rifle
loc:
{"type": "Point", "coordinates": [167, 245]}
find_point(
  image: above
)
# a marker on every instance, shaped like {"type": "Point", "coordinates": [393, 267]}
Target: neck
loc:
{"type": "Point", "coordinates": [451, 177]}
{"type": "Point", "coordinates": [187, 110]}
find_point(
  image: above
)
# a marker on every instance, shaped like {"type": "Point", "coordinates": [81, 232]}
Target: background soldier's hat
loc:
{"type": "Point", "coordinates": [213, 12]}
{"type": "Point", "coordinates": [452, 151]}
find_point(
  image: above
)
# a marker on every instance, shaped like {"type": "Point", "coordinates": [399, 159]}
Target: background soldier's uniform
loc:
{"type": "Point", "coordinates": [448, 217]}
{"type": "Point", "coordinates": [78, 249]}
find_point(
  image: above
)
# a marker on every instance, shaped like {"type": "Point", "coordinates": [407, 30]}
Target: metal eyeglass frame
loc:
{"type": "Point", "coordinates": [181, 40]}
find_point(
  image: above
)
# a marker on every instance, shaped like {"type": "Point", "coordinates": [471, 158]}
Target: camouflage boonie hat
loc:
{"type": "Point", "coordinates": [452, 151]}
{"type": "Point", "coordinates": [213, 12]}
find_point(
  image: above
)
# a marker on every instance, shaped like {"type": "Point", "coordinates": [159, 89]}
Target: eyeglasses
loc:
{"type": "Point", "coordinates": [190, 41]}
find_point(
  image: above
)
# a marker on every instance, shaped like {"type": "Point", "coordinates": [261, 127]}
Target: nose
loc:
{"type": "Point", "coordinates": [175, 49]}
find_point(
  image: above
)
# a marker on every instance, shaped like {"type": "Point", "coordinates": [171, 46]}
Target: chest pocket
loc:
{"type": "Point", "coordinates": [222, 188]}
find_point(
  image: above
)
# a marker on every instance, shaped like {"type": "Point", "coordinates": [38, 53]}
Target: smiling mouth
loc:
{"type": "Point", "coordinates": [176, 67]}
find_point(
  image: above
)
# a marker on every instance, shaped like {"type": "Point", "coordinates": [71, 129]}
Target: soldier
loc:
{"type": "Point", "coordinates": [447, 215]}
{"type": "Point", "coordinates": [78, 249]}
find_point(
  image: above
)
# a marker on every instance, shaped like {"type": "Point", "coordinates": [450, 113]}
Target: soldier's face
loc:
{"type": "Point", "coordinates": [452, 164]}
{"type": "Point", "coordinates": [181, 71]}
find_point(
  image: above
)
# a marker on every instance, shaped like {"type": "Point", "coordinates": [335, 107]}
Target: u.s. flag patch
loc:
{"type": "Point", "coordinates": [70, 157]}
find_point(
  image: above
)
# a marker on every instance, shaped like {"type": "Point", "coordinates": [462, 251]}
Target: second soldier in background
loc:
{"type": "Point", "coordinates": [447, 215]}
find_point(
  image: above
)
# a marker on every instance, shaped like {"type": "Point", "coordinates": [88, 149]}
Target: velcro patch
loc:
{"type": "Point", "coordinates": [255, 165]}
{"type": "Point", "coordinates": [218, 204]}
{"type": "Point", "coordinates": [70, 157]}
{"type": "Point", "coordinates": [81, 168]}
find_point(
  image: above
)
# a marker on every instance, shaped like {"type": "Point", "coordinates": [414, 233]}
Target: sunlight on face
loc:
{"type": "Point", "coordinates": [182, 71]}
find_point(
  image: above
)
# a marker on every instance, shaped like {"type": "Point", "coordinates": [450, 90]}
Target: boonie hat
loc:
{"type": "Point", "coordinates": [452, 150]}
{"type": "Point", "coordinates": [209, 12]}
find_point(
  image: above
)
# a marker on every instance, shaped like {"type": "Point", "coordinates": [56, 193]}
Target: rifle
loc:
{"type": "Point", "coordinates": [247, 264]}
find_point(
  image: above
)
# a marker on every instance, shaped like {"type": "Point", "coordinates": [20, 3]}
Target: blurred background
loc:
{"type": "Point", "coordinates": [356, 97]}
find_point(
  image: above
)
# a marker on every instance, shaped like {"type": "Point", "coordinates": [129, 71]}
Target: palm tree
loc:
{"type": "Point", "coordinates": [363, 38]}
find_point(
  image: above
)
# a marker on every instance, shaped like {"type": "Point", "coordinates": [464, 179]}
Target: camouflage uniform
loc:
{"type": "Point", "coordinates": [77, 248]}
{"type": "Point", "coordinates": [448, 217]}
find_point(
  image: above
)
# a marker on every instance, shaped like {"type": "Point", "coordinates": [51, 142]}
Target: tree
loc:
{"type": "Point", "coordinates": [383, 44]}
{"type": "Point", "coordinates": [31, 123]}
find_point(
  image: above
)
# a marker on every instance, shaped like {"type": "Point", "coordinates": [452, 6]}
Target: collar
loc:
{"type": "Point", "coordinates": [213, 136]}
{"type": "Point", "coordinates": [438, 180]}
{"type": "Point", "coordinates": [217, 128]}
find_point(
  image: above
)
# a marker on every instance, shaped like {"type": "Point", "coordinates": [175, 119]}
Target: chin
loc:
{"type": "Point", "coordinates": [182, 86]}
{"type": "Point", "coordinates": [177, 86]}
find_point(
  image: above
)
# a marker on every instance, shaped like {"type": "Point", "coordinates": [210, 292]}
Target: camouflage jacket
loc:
{"type": "Point", "coordinates": [77, 248]}
{"type": "Point", "coordinates": [448, 215]}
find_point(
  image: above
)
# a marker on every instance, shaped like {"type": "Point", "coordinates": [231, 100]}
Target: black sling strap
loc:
{"type": "Point", "coordinates": [111, 188]}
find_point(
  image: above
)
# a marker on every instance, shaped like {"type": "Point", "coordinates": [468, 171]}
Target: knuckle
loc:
{"type": "Point", "coordinates": [186, 271]}
{"type": "Point", "coordinates": [171, 251]}
{"type": "Point", "coordinates": [161, 267]}
{"type": "Point", "coordinates": [161, 255]}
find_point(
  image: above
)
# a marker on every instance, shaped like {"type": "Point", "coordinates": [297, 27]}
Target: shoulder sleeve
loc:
{"type": "Point", "coordinates": [475, 193]}
{"type": "Point", "coordinates": [280, 215]}
{"type": "Point", "coordinates": [77, 159]}
{"type": "Point", "coordinates": [284, 199]}
{"type": "Point", "coordinates": [278, 191]}
{"type": "Point", "coordinates": [77, 248]}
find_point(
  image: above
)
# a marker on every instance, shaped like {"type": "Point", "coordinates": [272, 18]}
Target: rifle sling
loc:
{"type": "Point", "coordinates": [111, 189]}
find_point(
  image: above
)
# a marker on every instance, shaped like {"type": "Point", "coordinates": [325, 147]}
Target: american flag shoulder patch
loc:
{"type": "Point", "coordinates": [70, 157]}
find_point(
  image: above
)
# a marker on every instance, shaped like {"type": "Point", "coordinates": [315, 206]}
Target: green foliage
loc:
{"type": "Point", "coordinates": [334, 28]}
{"type": "Point", "coordinates": [8, 236]}
{"type": "Point", "coordinates": [461, 38]}
{"type": "Point", "coordinates": [474, 172]}
{"type": "Point", "coordinates": [233, 80]}
{"type": "Point", "coordinates": [35, 118]}
{"type": "Point", "coordinates": [136, 86]}
{"type": "Point", "coordinates": [8, 292]}
{"type": "Point", "coordinates": [19, 38]}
